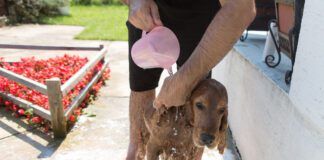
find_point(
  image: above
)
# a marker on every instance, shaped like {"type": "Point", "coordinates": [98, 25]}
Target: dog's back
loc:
{"type": "Point", "coordinates": [170, 134]}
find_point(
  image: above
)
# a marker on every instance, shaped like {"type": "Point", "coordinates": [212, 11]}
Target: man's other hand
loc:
{"type": "Point", "coordinates": [144, 14]}
{"type": "Point", "coordinates": [174, 92]}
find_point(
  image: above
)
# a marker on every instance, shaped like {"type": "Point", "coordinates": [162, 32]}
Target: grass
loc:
{"type": "Point", "coordinates": [101, 22]}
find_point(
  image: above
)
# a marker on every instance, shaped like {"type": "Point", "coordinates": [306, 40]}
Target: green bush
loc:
{"type": "Point", "coordinates": [96, 2]}
{"type": "Point", "coordinates": [24, 11]}
{"type": "Point", "coordinates": [51, 7]}
{"type": "Point", "coordinates": [82, 2]}
{"type": "Point", "coordinates": [31, 11]}
{"type": "Point", "coordinates": [111, 2]}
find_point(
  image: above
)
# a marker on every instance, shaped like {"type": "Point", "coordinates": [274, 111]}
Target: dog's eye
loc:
{"type": "Point", "coordinates": [199, 105]}
{"type": "Point", "coordinates": [222, 110]}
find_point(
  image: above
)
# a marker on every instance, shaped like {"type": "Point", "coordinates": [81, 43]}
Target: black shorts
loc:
{"type": "Point", "coordinates": [188, 20]}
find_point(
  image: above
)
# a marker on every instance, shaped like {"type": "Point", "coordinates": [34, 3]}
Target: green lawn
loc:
{"type": "Point", "coordinates": [105, 22]}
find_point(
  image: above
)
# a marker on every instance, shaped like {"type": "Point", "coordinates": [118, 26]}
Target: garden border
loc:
{"type": "Point", "coordinates": [53, 88]}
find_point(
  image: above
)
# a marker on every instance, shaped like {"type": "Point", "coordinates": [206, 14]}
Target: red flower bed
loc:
{"type": "Point", "coordinates": [40, 70]}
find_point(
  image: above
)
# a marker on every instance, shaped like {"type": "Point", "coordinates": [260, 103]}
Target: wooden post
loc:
{"type": "Point", "coordinates": [56, 107]}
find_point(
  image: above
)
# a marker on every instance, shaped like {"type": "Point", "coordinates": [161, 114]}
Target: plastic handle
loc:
{"type": "Point", "coordinates": [143, 33]}
{"type": "Point", "coordinates": [170, 71]}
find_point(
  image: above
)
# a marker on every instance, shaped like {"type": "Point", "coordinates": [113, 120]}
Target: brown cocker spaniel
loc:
{"type": "Point", "coordinates": [180, 133]}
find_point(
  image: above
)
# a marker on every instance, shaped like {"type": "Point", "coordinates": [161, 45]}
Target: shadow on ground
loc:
{"type": "Point", "coordinates": [19, 130]}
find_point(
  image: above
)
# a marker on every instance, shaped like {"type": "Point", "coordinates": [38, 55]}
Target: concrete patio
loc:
{"type": "Point", "coordinates": [104, 136]}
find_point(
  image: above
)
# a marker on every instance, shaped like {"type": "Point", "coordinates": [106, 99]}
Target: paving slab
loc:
{"type": "Point", "coordinates": [105, 135]}
{"type": "Point", "coordinates": [52, 35]}
{"type": "Point", "coordinates": [28, 145]}
{"type": "Point", "coordinates": [118, 60]}
{"type": "Point", "coordinates": [44, 35]}
{"type": "Point", "coordinates": [10, 125]}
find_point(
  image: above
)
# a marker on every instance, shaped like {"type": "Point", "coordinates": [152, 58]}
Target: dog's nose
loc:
{"type": "Point", "coordinates": [207, 139]}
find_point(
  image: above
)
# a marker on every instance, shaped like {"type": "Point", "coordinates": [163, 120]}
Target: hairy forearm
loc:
{"type": "Point", "coordinates": [219, 38]}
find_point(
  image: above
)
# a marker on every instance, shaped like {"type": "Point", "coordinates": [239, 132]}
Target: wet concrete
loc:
{"type": "Point", "coordinates": [99, 137]}
{"type": "Point", "coordinates": [104, 135]}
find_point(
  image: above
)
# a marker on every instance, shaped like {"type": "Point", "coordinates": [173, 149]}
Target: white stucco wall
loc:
{"type": "Point", "coordinates": [307, 87]}
{"type": "Point", "coordinates": [267, 122]}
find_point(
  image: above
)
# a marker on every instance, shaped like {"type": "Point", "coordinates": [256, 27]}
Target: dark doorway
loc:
{"type": "Point", "coordinates": [3, 8]}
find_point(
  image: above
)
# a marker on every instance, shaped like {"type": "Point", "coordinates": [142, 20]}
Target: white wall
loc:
{"type": "Point", "coordinates": [266, 125]}
{"type": "Point", "coordinates": [307, 88]}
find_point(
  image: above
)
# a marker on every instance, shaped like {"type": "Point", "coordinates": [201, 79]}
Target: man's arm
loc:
{"type": "Point", "coordinates": [222, 33]}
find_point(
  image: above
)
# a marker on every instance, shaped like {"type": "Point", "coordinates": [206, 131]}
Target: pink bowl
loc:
{"type": "Point", "coordinates": [158, 49]}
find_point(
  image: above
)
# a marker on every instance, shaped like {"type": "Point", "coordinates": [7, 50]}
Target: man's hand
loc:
{"type": "Point", "coordinates": [144, 14]}
{"type": "Point", "coordinates": [173, 93]}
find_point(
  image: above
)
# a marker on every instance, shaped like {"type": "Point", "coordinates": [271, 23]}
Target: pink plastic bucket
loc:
{"type": "Point", "coordinates": [158, 49]}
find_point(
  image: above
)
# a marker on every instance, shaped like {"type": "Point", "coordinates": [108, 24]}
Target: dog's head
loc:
{"type": "Point", "coordinates": [209, 109]}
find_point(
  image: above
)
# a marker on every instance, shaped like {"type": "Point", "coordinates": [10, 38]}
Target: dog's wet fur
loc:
{"type": "Point", "coordinates": [181, 133]}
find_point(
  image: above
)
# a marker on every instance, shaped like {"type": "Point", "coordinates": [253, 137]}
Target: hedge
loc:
{"type": "Point", "coordinates": [31, 11]}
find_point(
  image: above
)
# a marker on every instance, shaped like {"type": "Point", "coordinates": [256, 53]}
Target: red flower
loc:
{"type": "Point", "coordinates": [36, 120]}
{"type": "Point", "coordinates": [14, 108]}
{"type": "Point", "coordinates": [7, 103]}
{"type": "Point", "coordinates": [78, 111]}
{"type": "Point", "coordinates": [21, 112]}
{"type": "Point", "coordinates": [72, 118]}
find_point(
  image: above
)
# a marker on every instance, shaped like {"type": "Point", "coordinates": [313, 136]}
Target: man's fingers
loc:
{"type": "Point", "coordinates": [155, 15]}
{"type": "Point", "coordinates": [141, 23]}
{"type": "Point", "coordinates": [142, 19]}
{"type": "Point", "coordinates": [147, 26]}
{"type": "Point", "coordinates": [134, 22]}
{"type": "Point", "coordinates": [148, 23]}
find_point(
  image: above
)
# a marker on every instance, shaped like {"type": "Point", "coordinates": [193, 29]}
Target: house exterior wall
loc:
{"type": "Point", "coordinates": [267, 122]}
{"type": "Point", "coordinates": [307, 86]}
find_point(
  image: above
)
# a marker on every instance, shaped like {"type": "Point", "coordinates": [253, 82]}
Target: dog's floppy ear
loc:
{"type": "Point", "coordinates": [223, 133]}
{"type": "Point", "coordinates": [189, 113]}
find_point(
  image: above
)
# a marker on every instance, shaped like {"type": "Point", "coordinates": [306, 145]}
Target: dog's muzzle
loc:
{"type": "Point", "coordinates": [207, 139]}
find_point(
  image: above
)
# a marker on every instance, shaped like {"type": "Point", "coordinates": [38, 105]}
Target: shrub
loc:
{"type": "Point", "coordinates": [30, 11]}
{"type": "Point", "coordinates": [96, 2]}
{"type": "Point", "coordinates": [24, 11]}
{"type": "Point", "coordinates": [82, 2]}
{"type": "Point", "coordinates": [51, 7]}
{"type": "Point", "coordinates": [111, 2]}
{"type": "Point", "coordinates": [106, 1]}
